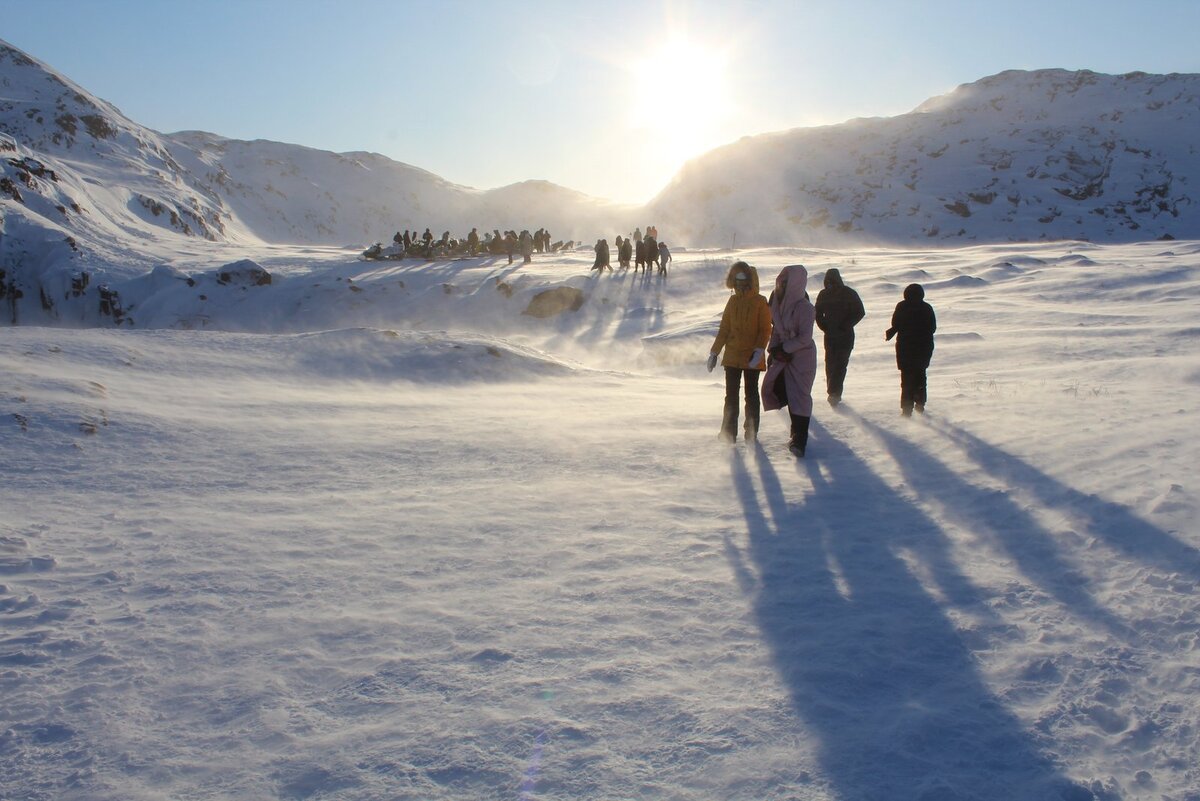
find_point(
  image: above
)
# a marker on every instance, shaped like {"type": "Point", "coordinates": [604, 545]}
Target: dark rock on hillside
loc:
{"type": "Point", "coordinates": [554, 302]}
{"type": "Point", "coordinates": [243, 273]}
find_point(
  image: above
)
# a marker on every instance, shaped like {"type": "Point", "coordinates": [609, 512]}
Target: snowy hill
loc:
{"type": "Point", "coordinates": [115, 179]}
{"type": "Point", "coordinates": [287, 193]}
{"type": "Point", "coordinates": [74, 164]}
{"type": "Point", "coordinates": [91, 199]}
{"type": "Point", "coordinates": [1019, 156]}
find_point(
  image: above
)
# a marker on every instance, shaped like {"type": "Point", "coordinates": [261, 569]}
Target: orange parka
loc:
{"type": "Point", "coordinates": [745, 324]}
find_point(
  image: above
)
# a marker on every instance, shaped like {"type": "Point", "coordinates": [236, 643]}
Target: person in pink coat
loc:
{"type": "Point", "coordinates": [792, 354]}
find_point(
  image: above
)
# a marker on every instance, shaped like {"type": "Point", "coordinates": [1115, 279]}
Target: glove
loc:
{"type": "Point", "coordinates": [779, 353]}
{"type": "Point", "coordinates": [712, 361]}
{"type": "Point", "coordinates": [888, 334]}
{"type": "Point", "coordinates": [755, 357]}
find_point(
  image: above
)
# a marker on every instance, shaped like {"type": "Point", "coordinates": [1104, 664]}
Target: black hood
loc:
{"type": "Point", "coordinates": [914, 292]}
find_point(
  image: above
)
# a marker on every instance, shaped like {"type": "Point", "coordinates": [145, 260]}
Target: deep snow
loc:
{"type": "Point", "coordinates": [370, 533]}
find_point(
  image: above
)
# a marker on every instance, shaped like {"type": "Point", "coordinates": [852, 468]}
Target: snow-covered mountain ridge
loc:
{"type": "Point", "coordinates": [92, 199]}
{"type": "Point", "coordinates": [134, 182]}
{"type": "Point", "coordinates": [1018, 156]}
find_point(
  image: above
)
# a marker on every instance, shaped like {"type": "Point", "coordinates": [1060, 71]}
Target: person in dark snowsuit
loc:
{"type": "Point", "coordinates": [913, 325]}
{"type": "Point", "coordinates": [602, 258]}
{"type": "Point", "coordinates": [664, 256]}
{"type": "Point", "coordinates": [651, 245]}
{"type": "Point", "coordinates": [743, 336]}
{"type": "Point", "coordinates": [526, 244]}
{"type": "Point", "coordinates": [839, 309]}
{"type": "Point", "coordinates": [625, 253]}
{"type": "Point", "coordinates": [510, 244]}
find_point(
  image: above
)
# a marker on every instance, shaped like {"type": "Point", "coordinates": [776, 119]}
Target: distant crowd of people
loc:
{"type": "Point", "coordinates": [775, 336]}
{"type": "Point", "coordinates": [645, 251]}
{"type": "Point", "coordinates": [408, 244]}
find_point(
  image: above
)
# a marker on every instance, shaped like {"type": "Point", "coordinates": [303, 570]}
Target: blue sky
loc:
{"type": "Point", "coordinates": [607, 98]}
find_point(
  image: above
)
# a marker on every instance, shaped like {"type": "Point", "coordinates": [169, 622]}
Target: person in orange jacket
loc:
{"type": "Point", "coordinates": [744, 334]}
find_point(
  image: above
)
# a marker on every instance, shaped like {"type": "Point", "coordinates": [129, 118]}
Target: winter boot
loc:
{"type": "Point", "coordinates": [751, 426]}
{"type": "Point", "coordinates": [729, 423]}
{"type": "Point", "coordinates": [799, 441]}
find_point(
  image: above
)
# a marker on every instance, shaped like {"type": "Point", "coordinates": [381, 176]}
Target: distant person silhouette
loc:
{"type": "Point", "coordinates": [913, 325]}
{"type": "Point", "coordinates": [602, 257]}
{"type": "Point", "coordinates": [839, 309]}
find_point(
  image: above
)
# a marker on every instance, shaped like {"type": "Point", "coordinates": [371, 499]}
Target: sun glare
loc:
{"type": "Point", "coordinates": [680, 96]}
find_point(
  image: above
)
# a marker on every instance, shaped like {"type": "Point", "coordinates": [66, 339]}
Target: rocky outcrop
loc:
{"type": "Point", "coordinates": [554, 302]}
{"type": "Point", "coordinates": [243, 273]}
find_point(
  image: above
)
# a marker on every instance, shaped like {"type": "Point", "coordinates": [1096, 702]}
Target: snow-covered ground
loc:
{"type": "Point", "coordinates": [371, 533]}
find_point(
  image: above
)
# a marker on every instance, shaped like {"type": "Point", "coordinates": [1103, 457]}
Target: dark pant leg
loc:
{"type": "Point", "coordinates": [729, 418]}
{"type": "Point", "coordinates": [836, 361]}
{"type": "Point", "coordinates": [753, 403]}
{"type": "Point", "coordinates": [911, 381]}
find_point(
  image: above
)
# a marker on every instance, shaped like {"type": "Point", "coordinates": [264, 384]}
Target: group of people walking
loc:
{"type": "Point", "coordinates": [645, 251]}
{"type": "Point", "coordinates": [775, 336]}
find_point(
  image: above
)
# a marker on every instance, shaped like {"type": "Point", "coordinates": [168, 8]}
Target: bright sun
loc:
{"type": "Point", "coordinates": [680, 95]}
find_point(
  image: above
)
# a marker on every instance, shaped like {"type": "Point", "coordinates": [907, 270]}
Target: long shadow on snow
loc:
{"type": "Point", "coordinates": [1108, 521]}
{"type": "Point", "coordinates": [994, 515]}
{"type": "Point", "coordinates": [445, 270]}
{"type": "Point", "coordinates": [642, 314]}
{"type": "Point", "coordinates": [871, 661]}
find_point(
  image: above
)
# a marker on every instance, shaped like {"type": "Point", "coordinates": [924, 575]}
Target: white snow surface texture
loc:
{"type": "Point", "coordinates": [371, 532]}
{"type": "Point", "coordinates": [479, 555]}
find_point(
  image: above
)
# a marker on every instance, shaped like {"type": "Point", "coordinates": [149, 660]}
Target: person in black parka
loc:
{"type": "Point", "coordinates": [602, 262]}
{"type": "Point", "coordinates": [839, 309]}
{"type": "Point", "coordinates": [913, 325]}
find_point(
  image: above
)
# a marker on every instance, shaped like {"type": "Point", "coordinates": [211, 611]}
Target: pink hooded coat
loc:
{"type": "Point", "coordinates": [792, 316]}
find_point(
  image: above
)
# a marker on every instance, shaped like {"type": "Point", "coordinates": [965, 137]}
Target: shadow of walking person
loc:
{"type": "Point", "coordinates": [997, 518]}
{"type": "Point", "coordinates": [874, 666]}
{"type": "Point", "coordinates": [1116, 525]}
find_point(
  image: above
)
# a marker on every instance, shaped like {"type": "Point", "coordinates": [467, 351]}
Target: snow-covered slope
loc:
{"type": "Point", "coordinates": [91, 198]}
{"type": "Point", "coordinates": [1018, 156]}
{"type": "Point", "coordinates": [287, 193]}
{"type": "Point", "coordinates": [113, 179]}
{"type": "Point", "coordinates": [76, 165]}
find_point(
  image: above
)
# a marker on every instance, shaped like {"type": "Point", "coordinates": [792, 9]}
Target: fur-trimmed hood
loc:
{"type": "Point", "coordinates": [742, 267]}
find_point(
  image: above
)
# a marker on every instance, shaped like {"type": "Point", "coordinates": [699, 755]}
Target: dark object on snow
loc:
{"type": "Point", "coordinates": [913, 325]}
{"type": "Point", "coordinates": [554, 302]}
{"type": "Point", "coordinates": [602, 257]}
{"type": "Point", "coordinates": [243, 273]}
{"type": "Point", "coordinates": [838, 310]}
{"type": "Point", "coordinates": [798, 442]}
